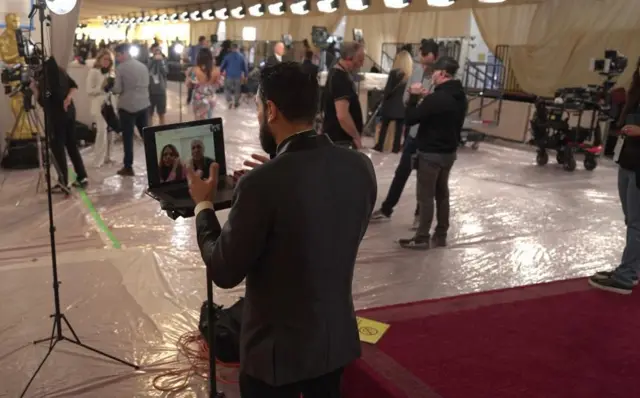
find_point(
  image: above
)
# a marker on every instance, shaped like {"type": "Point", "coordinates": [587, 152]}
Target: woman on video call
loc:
{"type": "Point", "coordinates": [170, 168]}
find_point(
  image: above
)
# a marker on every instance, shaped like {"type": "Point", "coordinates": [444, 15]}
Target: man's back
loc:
{"type": "Point", "coordinates": [132, 83]}
{"type": "Point", "coordinates": [234, 65]}
{"type": "Point", "coordinates": [299, 321]}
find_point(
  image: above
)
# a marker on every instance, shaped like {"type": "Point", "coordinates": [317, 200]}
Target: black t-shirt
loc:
{"type": "Point", "coordinates": [340, 86]}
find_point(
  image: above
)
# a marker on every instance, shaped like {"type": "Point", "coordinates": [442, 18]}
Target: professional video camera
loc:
{"type": "Point", "coordinates": [23, 72]}
{"type": "Point", "coordinates": [550, 124]}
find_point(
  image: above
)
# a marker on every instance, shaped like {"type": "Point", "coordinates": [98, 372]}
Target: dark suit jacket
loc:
{"type": "Point", "coordinates": [294, 232]}
{"type": "Point", "coordinates": [271, 60]}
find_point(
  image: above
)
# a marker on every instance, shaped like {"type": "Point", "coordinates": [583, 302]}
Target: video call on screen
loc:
{"type": "Point", "coordinates": [190, 146]}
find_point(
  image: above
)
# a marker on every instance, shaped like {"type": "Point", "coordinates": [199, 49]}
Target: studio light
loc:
{"type": "Point", "coordinates": [327, 6]}
{"type": "Point", "coordinates": [207, 14]}
{"type": "Point", "coordinates": [61, 7]}
{"type": "Point", "coordinates": [238, 12]}
{"type": "Point", "coordinates": [276, 8]}
{"type": "Point", "coordinates": [222, 14]}
{"type": "Point", "coordinates": [139, 19]}
{"type": "Point", "coordinates": [492, 1]}
{"type": "Point", "coordinates": [396, 3]}
{"type": "Point", "coordinates": [256, 10]}
{"type": "Point", "coordinates": [154, 18]}
{"type": "Point", "coordinates": [146, 18]}
{"type": "Point", "coordinates": [357, 5]}
{"type": "Point", "coordinates": [163, 17]}
{"type": "Point", "coordinates": [300, 8]}
{"type": "Point", "coordinates": [173, 17]}
{"type": "Point", "coordinates": [184, 16]}
{"type": "Point", "coordinates": [195, 16]}
{"type": "Point", "coordinates": [134, 51]}
{"type": "Point", "coordinates": [249, 33]}
{"type": "Point", "coordinates": [440, 3]}
{"type": "Point", "coordinates": [178, 48]}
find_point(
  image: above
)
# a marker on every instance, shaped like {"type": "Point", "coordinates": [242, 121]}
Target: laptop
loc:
{"type": "Point", "coordinates": [170, 149]}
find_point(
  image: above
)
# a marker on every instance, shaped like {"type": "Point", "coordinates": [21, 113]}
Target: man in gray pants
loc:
{"type": "Point", "coordinates": [440, 116]}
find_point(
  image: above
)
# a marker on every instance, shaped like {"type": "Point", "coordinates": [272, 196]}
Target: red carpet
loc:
{"type": "Point", "coordinates": [557, 340]}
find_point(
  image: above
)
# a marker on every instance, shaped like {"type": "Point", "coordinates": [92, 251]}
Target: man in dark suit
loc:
{"type": "Point", "coordinates": [293, 232]}
{"type": "Point", "coordinates": [278, 53]}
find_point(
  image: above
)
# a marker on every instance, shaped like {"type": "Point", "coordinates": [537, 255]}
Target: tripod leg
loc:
{"type": "Point", "coordinates": [51, 339]}
{"type": "Point", "coordinates": [24, 391]}
{"type": "Point", "coordinates": [73, 332]}
{"type": "Point", "coordinates": [104, 354]}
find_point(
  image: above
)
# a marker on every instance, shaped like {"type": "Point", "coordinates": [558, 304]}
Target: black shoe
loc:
{"type": "Point", "coordinates": [379, 215]}
{"type": "Point", "coordinates": [80, 183]}
{"type": "Point", "coordinates": [607, 275]}
{"type": "Point", "coordinates": [126, 172]}
{"type": "Point", "coordinates": [413, 243]}
{"type": "Point", "coordinates": [439, 241]}
{"type": "Point", "coordinates": [610, 285]}
{"type": "Point", "coordinates": [60, 189]}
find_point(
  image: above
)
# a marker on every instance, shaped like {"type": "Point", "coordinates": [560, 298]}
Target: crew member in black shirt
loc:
{"type": "Point", "coordinates": [342, 112]}
{"type": "Point", "coordinates": [440, 116]}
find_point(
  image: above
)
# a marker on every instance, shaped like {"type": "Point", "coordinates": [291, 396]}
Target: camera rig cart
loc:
{"type": "Point", "coordinates": [551, 125]}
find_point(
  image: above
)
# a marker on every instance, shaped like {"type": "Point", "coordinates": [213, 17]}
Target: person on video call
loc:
{"type": "Point", "coordinates": [293, 232]}
{"type": "Point", "coordinates": [170, 167]}
{"type": "Point", "coordinates": [199, 163]}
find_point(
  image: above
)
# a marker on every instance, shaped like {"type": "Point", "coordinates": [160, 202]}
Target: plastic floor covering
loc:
{"type": "Point", "coordinates": [513, 224]}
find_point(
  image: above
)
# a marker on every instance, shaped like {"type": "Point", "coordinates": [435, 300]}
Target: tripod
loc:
{"type": "Point", "coordinates": [58, 316]}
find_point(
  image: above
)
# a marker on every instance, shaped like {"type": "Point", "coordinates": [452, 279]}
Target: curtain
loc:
{"type": "Point", "coordinates": [62, 31]}
{"type": "Point", "coordinates": [555, 40]}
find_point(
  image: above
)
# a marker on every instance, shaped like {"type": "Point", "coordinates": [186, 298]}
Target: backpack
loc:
{"type": "Point", "coordinates": [227, 330]}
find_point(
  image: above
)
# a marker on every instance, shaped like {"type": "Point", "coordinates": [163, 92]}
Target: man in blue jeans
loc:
{"type": "Point", "coordinates": [234, 67]}
{"type": "Point", "coordinates": [428, 53]}
{"type": "Point", "coordinates": [624, 278]}
{"type": "Point", "coordinates": [132, 87]}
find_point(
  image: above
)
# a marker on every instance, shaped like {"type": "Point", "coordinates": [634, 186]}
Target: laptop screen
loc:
{"type": "Point", "coordinates": [171, 149]}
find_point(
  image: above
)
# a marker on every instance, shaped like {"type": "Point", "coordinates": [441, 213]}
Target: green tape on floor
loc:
{"type": "Point", "coordinates": [102, 226]}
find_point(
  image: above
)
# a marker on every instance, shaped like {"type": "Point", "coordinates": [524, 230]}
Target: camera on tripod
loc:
{"type": "Point", "coordinates": [613, 64]}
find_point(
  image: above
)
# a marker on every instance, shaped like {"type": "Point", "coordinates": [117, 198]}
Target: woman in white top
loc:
{"type": "Point", "coordinates": [96, 83]}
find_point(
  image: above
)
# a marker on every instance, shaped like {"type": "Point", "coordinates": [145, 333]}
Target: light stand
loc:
{"type": "Point", "coordinates": [211, 315]}
{"type": "Point", "coordinates": [58, 316]}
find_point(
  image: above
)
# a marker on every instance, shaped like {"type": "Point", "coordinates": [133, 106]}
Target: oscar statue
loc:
{"type": "Point", "coordinates": [10, 56]}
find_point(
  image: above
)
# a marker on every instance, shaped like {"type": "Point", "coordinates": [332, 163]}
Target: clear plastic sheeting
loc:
{"type": "Point", "coordinates": [513, 224]}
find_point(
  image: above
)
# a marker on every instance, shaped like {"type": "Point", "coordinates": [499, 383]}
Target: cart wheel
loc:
{"type": "Point", "coordinates": [542, 158]}
{"type": "Point", "coordinates": [475, 145]}
{"type": "Point", "coordinates": [560, 157]}
{"type": "Point", "coordinates": [570, 164]}
{"type": "Point", "coordinates": [590, 163]}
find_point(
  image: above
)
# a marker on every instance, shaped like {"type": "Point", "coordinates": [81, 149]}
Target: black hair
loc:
{"type": "Point", "coordinates": [308, 55]}
{"type": "Point", "coordinates": [292, 89]}
{"type": "Point", "coordinates": [447, 64]}
{"type": "Point", "coordinates": [201, 39]}
{"type": "Point", "coordinates": [407, 47]}
{"type": "Point", "coordinates": [122, 48]}
{"type": "Point", "coordinates": [429, 46]}
{"type": "Point", "coordinates": [235, 46]}
{"type": "Point", "coordinates": [204, 60]}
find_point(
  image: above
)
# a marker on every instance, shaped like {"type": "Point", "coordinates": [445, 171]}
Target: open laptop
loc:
{"type": "Point", "coordinates": [171, 148]}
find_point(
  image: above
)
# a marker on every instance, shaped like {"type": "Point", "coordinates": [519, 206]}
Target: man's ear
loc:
{"type": "Point", "coordinates": [272, 111]}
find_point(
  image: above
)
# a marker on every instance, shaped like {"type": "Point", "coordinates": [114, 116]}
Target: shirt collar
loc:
{"type": "Point", "coordinates": [282, 147]}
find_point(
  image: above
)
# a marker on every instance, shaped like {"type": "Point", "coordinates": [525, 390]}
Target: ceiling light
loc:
{"type": "Point", "coordinates": [184, 16]}
{"type": "Point", "coordinates": [139, 20]}
{"type": "Point", "coordinates": [300, 8]}
{"type": "Point", "coordinates": [173, 17]}
{"type": "Point", "coordinates": [222, 13]}
{"type": "Point", "coordinates": [146, 18]}
{"type": "Point", "coordinates": [357, 5]}
{"type": "Point", "coordinates": [276, 8]}
{"type": "Point", "coordinates": [238, 12]}
{"type": "Point", "coordinates": [163, 17]}
{"type": "Point", "coordinates": [396, 3]}
{"type": "Point", "coordinates": [154, 18]}
{"type": "Point", "coordinates": [207, 14]}
{"type": "Point", "coordinates": [492, 1]}
{"type": "Point", "coordinates": [257, 10]}
{"type": "Point", "coordinates": [61, 7]}
{"type": "Point", "coordinates": [327, 5]}
{"type": "Point", "coordinates": [195, 16]}
{"type": "Point", "coordinates": [440, 3]}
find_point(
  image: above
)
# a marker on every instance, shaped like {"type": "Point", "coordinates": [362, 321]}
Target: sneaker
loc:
{"type": "Point", "coordinates": [378, 215]}
{"type": "Point", "coordinates": [438, 241]}
{"type": "Point", "coordinates": [413, 243]}
{"type": "Point", "coordinates": [126, 172]}
{"type": "Point", "coordinates": [80, 183]}
{"type": "Point", "coordinates": [607, 275]}
{"type": "Point", "coordinates": [416, 224]}
{"type": "Point", "coordinates": [610, 285]}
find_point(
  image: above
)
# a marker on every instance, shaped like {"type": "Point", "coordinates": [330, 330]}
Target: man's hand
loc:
{"type": "Point", "coordinates": [417, 89]}
{"type": "Point", "coordinates": [203, 191]}
{"type": "Point", "coordinates": [631, 130]}
{"type": "Point", "coordinates": [66, 103]}
{"type": "Point", "coordinates": [357, 142]}
{"type": "Point", "coordinates": [256, 161]}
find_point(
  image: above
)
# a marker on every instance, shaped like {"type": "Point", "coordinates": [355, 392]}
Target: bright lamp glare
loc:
{"type": "Point", "coordinates": [256, 10]}
{"type": "Point", "coordinates": [222, 13]}
{"type": "Point", "coordinates": [438, 3]}
{"type": "Point", "coordinates": [173, 17]}
{"type": "Point", "coordinates": [184, 16]}
{"type": "Point", "coordinates": [356, 5]}
{"type": "Point", "coordinates": [195, 16]}
{"type": "Point", "coordinates": [276, 8]}
{"type": "Point", "coordinates": [178, 49]}
{"type": "Point", "coordinates": [326, 6]}
{"type": "Point", "coordinates": [249, 33]}
{"type": "Point", "coordinates": [396, 3]}
{"type": "Point", "coordinates": [298, 8]}
{"type": "Point", "coordinates": [154, 18]}
{"type": "Point", "coordinates": [207, 14]}
{"type": "Point", "coordinates": [238, 13]}
{"type": "Point", "coordinates": [491, 1]}
{"type": "Point", "coordinates": [134, 51]}
{"type": "Point", "coordinates": [163, 17]}
{"type": "Point", "coordinates": [61, 7]}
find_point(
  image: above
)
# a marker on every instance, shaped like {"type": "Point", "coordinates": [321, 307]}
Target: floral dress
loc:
{"type": "Point", "coordinates": [204, 98]}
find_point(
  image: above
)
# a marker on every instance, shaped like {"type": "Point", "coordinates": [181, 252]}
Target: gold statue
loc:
{"type": "Point", "coordinates": [9, 56]}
